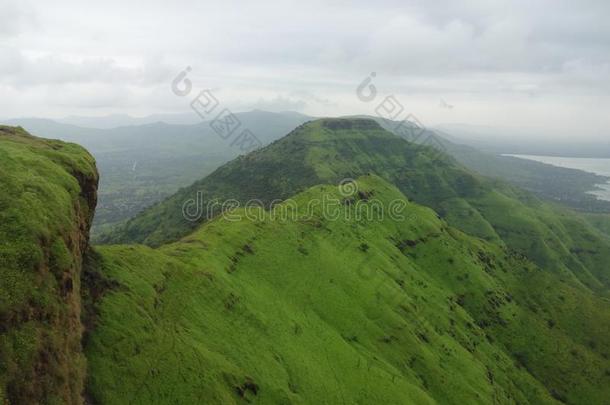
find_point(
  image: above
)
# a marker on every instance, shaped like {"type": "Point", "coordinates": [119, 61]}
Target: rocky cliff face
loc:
{"type": "Point", "coordinates": [48, 193]}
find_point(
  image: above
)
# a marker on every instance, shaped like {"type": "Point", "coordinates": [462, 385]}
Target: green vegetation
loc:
{"type": "Point", "coordinates": [47, 197]}
{"type": "Point", "coordinates": [146, 163]}
{"type": "Point", "coordinates": [314, 311]}
{"type": "Point", "coordinates": [599, 221]}
{"type": "Point", "coordinates": [143, 164]}
{"type": "Point", "coordinates": [477, 292]}
{"type": "Point", "coordinates": [326, 151]}
{"type": "Point", "coordinates": [568, 187]}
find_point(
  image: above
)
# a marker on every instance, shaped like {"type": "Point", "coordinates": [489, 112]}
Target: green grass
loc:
{"type": "Point", "coordinates": [347, 311]}
{"type": "Point", "coordinates": [329, 150]}
{"type": "Point", "coordinates": [42, 208]}
{"type": "Point", "coordinates": [600, 221]}
{"type": "Point", "coordinates": [480, 293]}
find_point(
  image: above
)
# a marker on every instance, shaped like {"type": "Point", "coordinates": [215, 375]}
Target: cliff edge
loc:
{"type": "Point", "coordinates": [48, 193]}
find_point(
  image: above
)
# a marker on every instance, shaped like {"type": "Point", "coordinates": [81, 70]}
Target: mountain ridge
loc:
{"type": "Point", "coordinates": [315, 153]}
{"type": "Point", "coordinates": [410, 310]}
{"type": "Point", "coordinates": [309, 306]}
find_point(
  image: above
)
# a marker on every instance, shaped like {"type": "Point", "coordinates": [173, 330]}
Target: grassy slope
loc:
{"type": "Point", "coordinates": [599, 221]}
{"type": "Point", "coordinates": [326, 151]}
{"type": "Point", "coordinates": [300, 311]}
{"type": "Point", "coordinates": [347, 311]}
{"type": "Point", "coordinates": [569, 187]}
{"type": "Point", "coordinates": [47, 197]}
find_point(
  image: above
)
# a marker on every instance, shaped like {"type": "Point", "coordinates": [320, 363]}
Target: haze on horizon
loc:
{"type": "Point", "coordinates": [543, 65]}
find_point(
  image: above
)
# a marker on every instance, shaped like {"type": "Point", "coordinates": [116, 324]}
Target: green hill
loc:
{"type": "Point", "coordinates": [561, 185]}
{"type": "Point", "coordinates": [47, 198]}
{"type": "Point", "coordinates": [471, 292]}
{"type": "Point", "coordinates": [313, 309]}
{"type": "Point", "coordinates": [329, 150]}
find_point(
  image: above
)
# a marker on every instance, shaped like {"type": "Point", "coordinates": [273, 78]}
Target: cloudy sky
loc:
{"type": "Point", "coordinates": [536, 64]}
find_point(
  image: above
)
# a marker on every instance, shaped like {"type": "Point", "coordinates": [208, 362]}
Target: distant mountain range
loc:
{"type": "Point", "coordinates": [124, 120]}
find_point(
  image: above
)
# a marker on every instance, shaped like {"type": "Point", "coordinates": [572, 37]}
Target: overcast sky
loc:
{"type": "Point", "coordinates": [538, 64]}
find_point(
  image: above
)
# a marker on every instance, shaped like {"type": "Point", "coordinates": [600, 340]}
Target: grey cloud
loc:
{"type": "Point", "coordinates": [89, 96]}
{"type": "Point", "coordinates": [309, 56]}
{"type": "Point", "coordinates": [279, 104]}
{"type": "Point", "coordinates": [11, 61]}
{"type": "Point", "coordinates": [23, 71]}
{"type": "Point", "coordinates": [14, 17]}
{"type": "Point", "coordinates": [309, 97]}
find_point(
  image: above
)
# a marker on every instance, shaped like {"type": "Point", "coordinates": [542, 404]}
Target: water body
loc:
{"type": "Point", "coordinates": [596, 166]}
